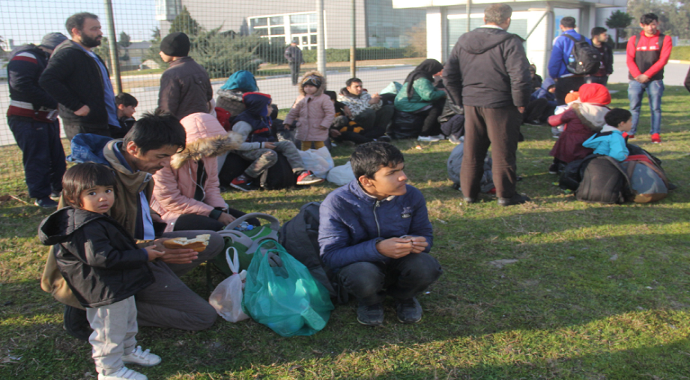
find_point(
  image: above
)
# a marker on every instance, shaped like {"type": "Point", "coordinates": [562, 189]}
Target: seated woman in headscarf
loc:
{"type": "Point", "coordinates": [418, 95]}
{"type": "Point", "coordinates": [230, 94]}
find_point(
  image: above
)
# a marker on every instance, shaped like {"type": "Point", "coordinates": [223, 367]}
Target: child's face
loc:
{"type": "Point", "coordinates": [552, 90]}
{"type": "Point", "coordinates": [387, 181]}
{"type": "Point", "coordinates": [625, 126]}
{"type": "Point", "coordinates": [127, 111]}
{"type": "Point", "coordinates": [309, 89]}
{"type": "Point", "coordinates": [97, 199]}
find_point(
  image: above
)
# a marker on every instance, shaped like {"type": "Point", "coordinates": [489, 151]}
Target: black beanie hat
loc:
{"type": "Point", "coordinates": [175, 44]}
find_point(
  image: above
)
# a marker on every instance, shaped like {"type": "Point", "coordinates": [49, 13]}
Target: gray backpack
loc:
{"type": "Point", "coordinates": [455, 163]}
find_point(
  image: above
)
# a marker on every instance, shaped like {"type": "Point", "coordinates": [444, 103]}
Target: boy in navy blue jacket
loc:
{"type": "Point", "coordinates": [376, 235]}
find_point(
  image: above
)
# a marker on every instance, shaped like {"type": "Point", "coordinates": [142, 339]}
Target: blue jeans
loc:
{"type": "Point", "coordinates": [42, 154]}
{"type": "Point", "coordinates": [401, 278]}
{"type": "Point", "coordinates": [655, 90]}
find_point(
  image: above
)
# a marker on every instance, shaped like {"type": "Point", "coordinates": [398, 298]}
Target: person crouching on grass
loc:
{"type": "Point", "coordinates": [375, 235]}
{"type": "Point", "coordinates": [104, 268]}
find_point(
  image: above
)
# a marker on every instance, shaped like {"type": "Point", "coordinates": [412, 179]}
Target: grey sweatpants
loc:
{"type": "Point", "coordinates": [114, 330]}
{"type": "Point", "coordinates": [168, 302]}
{"type": "Point", "coordinates": [265, 158]}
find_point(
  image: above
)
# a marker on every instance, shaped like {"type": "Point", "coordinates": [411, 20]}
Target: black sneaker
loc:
{"type": "Point", "coordinates": [46, 203]}
{"type": "Point", "coordinates": [553, 168]}
{"type": "Point", "coordinates": [409, 310]}
{"type": "Point", "coordinates": [514, 200]}
{"type": "Point", "coordinates": [370, 315]}
{"type": "Point", "coordinates": [55, 195]}
{"type": "Point", "coordinates": [76, 323]}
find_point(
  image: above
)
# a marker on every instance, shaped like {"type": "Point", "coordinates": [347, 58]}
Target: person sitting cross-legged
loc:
{"type": "Point", "coordinates": [375, 235]}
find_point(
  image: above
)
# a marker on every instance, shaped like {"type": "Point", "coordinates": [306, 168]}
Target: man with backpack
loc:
{"type": "Point", "coordinates": [647, 54]}
{"type": "Point", "coordinates": [563, 59]}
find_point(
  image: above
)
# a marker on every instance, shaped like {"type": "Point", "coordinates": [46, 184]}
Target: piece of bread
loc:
{"type": "Point", "coordinates": [198, 244]}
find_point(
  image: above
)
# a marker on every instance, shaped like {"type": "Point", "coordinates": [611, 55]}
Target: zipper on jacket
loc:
{"type": "Point", "coordinates": [376, 219]}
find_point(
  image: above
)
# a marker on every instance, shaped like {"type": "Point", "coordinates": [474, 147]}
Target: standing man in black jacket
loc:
{"type": "Point", "coordinates": [488, 73]}
{"type": "Point", "coordinates": [79, 80]}
{"type": "Point", "coordinates": [293, 54]}
{"type": "Point", "coordinates": [32, 117]}
{"type": "Point", "coordinates": [185, 85]}
{"type": "Point", "coordinates": [599, 38]}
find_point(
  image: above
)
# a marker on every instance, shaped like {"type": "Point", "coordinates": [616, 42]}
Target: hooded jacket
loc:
{"type": "Point", "coordinates": [419, 91]}
{"type": "Point", "coordinates": [28, 99]}
{"type": "Point", "coordinates": [99, 260]}
{"type": "Point", "coordinates": [315, 112]}
{"type": "Point", "coordinates": [74, 80]}
{"type": "Point", "coordinates": [352, 221]}
{"type": "Point", "coordinates": [488, 68]}
{"type": "Point", "coordinates": [175, 185]}
{"type": "Point", "coordinates": [185, 88]}
{"type": "Point", "coordinates": [254, 123]}
{"type": "Point", "coordinates": [608, 142]}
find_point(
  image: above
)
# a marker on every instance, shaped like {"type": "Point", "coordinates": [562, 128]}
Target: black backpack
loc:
{"type": "Point", "coordinates": [586, 58]}
{"type": "Point", "coordinates": [278, 176]}
{"type": "Point", "coordinates": [603, 181]}
{"type": "Point", "coordinates": [300, 237]}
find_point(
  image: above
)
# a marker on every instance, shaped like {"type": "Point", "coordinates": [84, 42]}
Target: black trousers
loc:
{"type": "Point", "coordinates": [190, 222]}
{"type": "Point", "coordinates": [375, 123]}
{"type": "Point", "coordinates": [431, 126]}
{"type": "Point", "coordinates": [567, 84]}
{"type": "Point", "coordinates": [401, 278]}
{"type": "Point", "coordinates": [604, 79]}
{"type": "Point", "coordinates": [294, 71]}
{"type": "Point", "coordinates": [500, 129]}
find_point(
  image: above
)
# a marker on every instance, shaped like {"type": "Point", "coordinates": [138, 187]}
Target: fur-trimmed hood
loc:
{"type": "Point", "coordinates": [305, 78]}
{"type": "Point", "coordinates": [591, 116]}
{"type": "Point", "coordinates": [205, 138]}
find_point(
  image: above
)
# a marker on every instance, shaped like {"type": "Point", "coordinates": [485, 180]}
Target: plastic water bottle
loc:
{"type": "Point", "coordinates": [244, 226]}
{"type": "Point", "coordinates": [571, 59]}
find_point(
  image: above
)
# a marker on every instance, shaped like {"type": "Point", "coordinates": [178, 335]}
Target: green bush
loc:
{"type": "Point", "coordinates": [362, 54]}
{"type": "Point", "coordinates": [681, 52]}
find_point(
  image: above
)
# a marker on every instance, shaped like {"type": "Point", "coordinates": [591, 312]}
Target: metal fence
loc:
{"type": "Point", "coordinates": [226, 36]}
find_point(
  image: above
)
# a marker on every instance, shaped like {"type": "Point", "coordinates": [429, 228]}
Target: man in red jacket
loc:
{"type": "Point", "coordinates": [647, 54]}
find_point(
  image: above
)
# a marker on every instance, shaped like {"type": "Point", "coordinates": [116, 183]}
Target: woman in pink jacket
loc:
{"type": "Point", "coordinates": [314, 110]}
{"type": "Point", "coordinates": [187, 193]}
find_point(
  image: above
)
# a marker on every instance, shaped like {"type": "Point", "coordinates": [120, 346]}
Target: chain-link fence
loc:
{"type": "Point", "coordinates": [226, 36]}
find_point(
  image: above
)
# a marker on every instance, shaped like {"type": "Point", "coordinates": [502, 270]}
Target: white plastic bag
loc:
{"type": "Point", "coordinates": [319, 161]}
{"type": "Point", "coordinates": [227, 297]}
{"type": "Point", "coordinates": [341, 175]}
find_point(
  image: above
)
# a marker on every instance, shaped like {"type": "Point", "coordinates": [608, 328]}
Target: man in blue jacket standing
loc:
{"type": "Point", "coordinates": [558, 64]}
{"type": "Point", "coordinates": [32, 117]}
{"type": "Point", "coordinates": [375, 234]}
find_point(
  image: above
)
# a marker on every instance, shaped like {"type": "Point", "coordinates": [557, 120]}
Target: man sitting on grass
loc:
{"type": "Point", "coordinates": [375, 235]}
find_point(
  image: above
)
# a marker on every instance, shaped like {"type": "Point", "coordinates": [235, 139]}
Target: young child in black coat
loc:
{"type": "Point", "coordinates": [103, 267]}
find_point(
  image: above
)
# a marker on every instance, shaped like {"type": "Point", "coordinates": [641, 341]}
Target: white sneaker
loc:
{"type": "Point", "coordinates": [431, 138]}
{"type": "Point", "coordinates": [142, 358]}
{"type": "Point", "coordinates": [123, 374]}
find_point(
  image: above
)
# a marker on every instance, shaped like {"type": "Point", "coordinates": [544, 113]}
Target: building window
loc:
{"type": "Point", "coordinates": [282, 29]}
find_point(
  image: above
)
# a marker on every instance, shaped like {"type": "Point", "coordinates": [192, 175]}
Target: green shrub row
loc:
{"type": "Point", "coordinates": [362, 54]}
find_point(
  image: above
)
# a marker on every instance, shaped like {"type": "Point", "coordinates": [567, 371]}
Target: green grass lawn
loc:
{"type": "Point", "coordinates": [597, 291]}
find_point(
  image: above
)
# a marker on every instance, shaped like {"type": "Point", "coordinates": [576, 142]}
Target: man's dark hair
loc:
{"type": "Point", "coordinates": [568, 22]}
{"type": "Point", "coordinates": [126, 100]}
{"type": "Point", "coordinates": [597, 30]}
{"type": "Point", "coordinates": [497, 13]}
{"type": "Point", "coordinates": [83, 177]}
{"type": "Point", "coordinates": [77, 21]}
{"type": "Point", "coordinates": [349, 82]}
{"type": "Point", "coordinates": [368, 158]}
{"type": "Point", "coordinates": [647, 18]}
{"type": "Point", "coordinates": [617, 116]}
{"type": "Point", "coordinates": [332, 95]}
{"type": "Point", "coordinates": [155, 131]}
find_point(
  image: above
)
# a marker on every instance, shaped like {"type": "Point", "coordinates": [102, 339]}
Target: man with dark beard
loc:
{"type": "Point", "coordinates": [78, 79]}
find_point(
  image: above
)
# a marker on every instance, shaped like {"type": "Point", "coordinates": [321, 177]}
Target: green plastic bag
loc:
{"type": "Point", "coordinates": [286, 298]}
{"type": "Point", "coordinates": [245, 242]}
